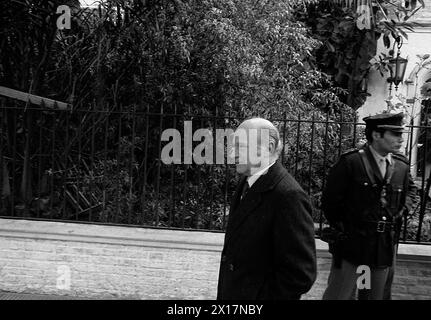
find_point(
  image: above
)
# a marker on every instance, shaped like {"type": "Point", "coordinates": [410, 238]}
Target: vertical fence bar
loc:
{"type": "Point", "coordinates": [91, 173]}
{"type": "Point", "coordinates": [424, 195]}
{"type": "Point", "coordinates": [424, 190]}
{"type": "Point", "coordinates": [118, 178]}
{"type": "Point", "coordinates": [225, 197]}
{"type": "Point", "coordinates": [185, 189]}
{"type": "Point", "coordinates": [26, 174]}
{"type": "Point", "coordinates": [144, 186]}
{"type": "Point", "coordinates": [185, 182]}
{"type": "Point", "coordinates": [185, 194]}
{"type": "Point", "coordinates": [78, 181]}
{"type": "Point", "coordinates": [105, 160]}
{"type": "Point", "coordinates": [159, 164]}
{"type": "Point", "coordinates": [132, 162]}
{"type": "Point", "coordinates": [199, 183]}
{"type": "Point", "coordinates": [284, 136]}
{"type": "Point", "coordinates": [298, 132]}
{"type": "Point", "coordinates": [411, 142]}
{"type": "Point", "coordinates": [227, 179]}
{"type": "Point", "coordinates": [405, 220]}
{"type": "Point", "coordinates": [310, 159]}
{"type": "Point", "coordinates": [66, 164]}
{"type": "Point", "coordinates": [214, 163]}
{"type": "Point", "coordinates": [12, 198]}
{"type": "Point", "coordinates": [172, 178]}
{"type": "Point", "coordinates": [53, 137]}
{"type": "Point", "coordinates": [40, 166]}
{"type": "Point", "coordinates": [325, 161]}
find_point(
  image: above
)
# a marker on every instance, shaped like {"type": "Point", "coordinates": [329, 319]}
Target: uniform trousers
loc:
{"type": "Point", "coordinates": [388, 286]}
{"type": "Point", "coordinates": [363, 294]}
{"type": "Point", "coordinates": [342, 282]}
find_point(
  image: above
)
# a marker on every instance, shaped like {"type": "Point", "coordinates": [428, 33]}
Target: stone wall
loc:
{"type": "Point", "coordinates": [100, 261]}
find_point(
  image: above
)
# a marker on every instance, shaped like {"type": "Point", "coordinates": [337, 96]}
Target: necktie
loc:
{"type": "Point", "coordinates": [244, 189]}
{"type": "Point", "coordinates": [383, 194]}
{"type": "Point", "coordinates": [383, 164]}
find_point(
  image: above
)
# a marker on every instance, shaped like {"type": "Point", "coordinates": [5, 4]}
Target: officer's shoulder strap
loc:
{"type": "Point", "coordinates": [350, 151]}
{"type": "Point", "coordinates": [367, 166]}
{"type": "Point", "coordinates": [400, 157]}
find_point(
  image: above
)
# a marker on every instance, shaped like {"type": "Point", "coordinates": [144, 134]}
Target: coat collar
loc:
{"type": "Point", "coordinates": [374, 166]}
{"type": "Point", "coordinates": [270, 179]}
{"type": "Point", "coordinates": [252, 179]}
{"type": "Point", "coordinates": [378, 157]}
{"type": "Point", "coordinates": [263, 184]}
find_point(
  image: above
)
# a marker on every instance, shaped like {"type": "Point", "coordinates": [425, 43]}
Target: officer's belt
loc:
{"type": "Point", "coordinates": [380, 226]}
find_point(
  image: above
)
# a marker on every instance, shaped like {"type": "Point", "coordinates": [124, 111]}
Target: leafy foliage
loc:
{"type": "Point", "coordinates": [347, 51]}
{"type": "Point", "coordinates": [131, 69]}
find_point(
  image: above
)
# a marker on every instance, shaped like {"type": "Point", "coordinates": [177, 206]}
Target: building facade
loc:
{"type": "Point", "coordinates": [409, 93]}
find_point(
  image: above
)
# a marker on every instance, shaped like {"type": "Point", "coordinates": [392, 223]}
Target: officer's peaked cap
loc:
{"type": "Point", "coordinates": [387, 121]}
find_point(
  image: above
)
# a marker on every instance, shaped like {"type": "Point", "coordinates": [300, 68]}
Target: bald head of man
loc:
{"type": "Point", "coordinates": [256, 145]}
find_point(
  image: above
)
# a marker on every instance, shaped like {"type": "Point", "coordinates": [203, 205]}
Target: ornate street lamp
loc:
{"type": "Point", "coordinates": [363, 86]}
{"type": "Point", "coordinates": [397, 68]}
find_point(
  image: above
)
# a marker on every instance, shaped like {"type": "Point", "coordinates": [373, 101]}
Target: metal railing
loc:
{"type": "Point", "coordinates": [102, 166]}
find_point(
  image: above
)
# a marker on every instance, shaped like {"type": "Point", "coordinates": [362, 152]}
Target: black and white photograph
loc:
{"type": "Point", "coordinates": [214, 155]}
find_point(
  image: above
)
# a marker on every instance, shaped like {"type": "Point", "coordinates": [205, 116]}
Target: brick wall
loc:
{"type": "Point", "coordinates": [139, 263]}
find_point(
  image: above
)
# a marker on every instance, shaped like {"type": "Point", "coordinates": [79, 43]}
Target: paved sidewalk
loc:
{"type": "Point", "coordinates": [31, 296]}
{"type": "Point", "coordinates": [28, 296]}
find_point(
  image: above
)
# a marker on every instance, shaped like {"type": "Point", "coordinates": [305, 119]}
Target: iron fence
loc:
{"type": "Point", "coordinates": [105, 166]}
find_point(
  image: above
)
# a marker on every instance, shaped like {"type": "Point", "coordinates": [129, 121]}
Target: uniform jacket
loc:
{"type": "Point", "coordinates": [350, 200]}
{"type": "Point", "coordinates": [269, 250]}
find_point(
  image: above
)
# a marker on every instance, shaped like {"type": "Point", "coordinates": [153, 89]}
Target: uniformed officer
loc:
{"type": "Point", "coordinates": [365, 196]}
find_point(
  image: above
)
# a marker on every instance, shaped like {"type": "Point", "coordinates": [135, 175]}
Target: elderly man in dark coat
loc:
{"type": "Point", "coordinates": [269, 251]}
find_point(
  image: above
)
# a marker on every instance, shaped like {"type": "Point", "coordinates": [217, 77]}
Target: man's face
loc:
{"type": "Point", "coordinates": [248, 152]}
{"type": "Point", "coordinates": [242, 162]}
{"type": "Point", "coordinates": [390, 141]}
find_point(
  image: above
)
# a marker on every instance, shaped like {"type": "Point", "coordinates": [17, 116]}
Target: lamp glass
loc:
{"type": "Point", "coordinates": [397, 67]}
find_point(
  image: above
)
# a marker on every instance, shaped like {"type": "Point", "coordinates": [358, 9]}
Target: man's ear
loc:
{"type": "Point", "coordinates": [272, 147]}
{"type": "Point", "coordinates": [375, 135]}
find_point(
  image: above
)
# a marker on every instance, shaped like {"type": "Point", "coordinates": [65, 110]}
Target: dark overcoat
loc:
{"type": "Point", "coordinates": [352, 202]}
{"type": "Point", "coordinates": [269, 249]}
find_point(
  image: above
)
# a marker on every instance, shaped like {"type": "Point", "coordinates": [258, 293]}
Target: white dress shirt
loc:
{"type": "Point", "coordinates": [253, 178]}
{"type": "Point", "coordinates": [381, 160]}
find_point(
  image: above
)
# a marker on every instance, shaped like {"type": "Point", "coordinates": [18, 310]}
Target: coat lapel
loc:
{"type": "Point", "coordinates": [237, 195]}
{"type": "Point", "coordinates": [241, 209]}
